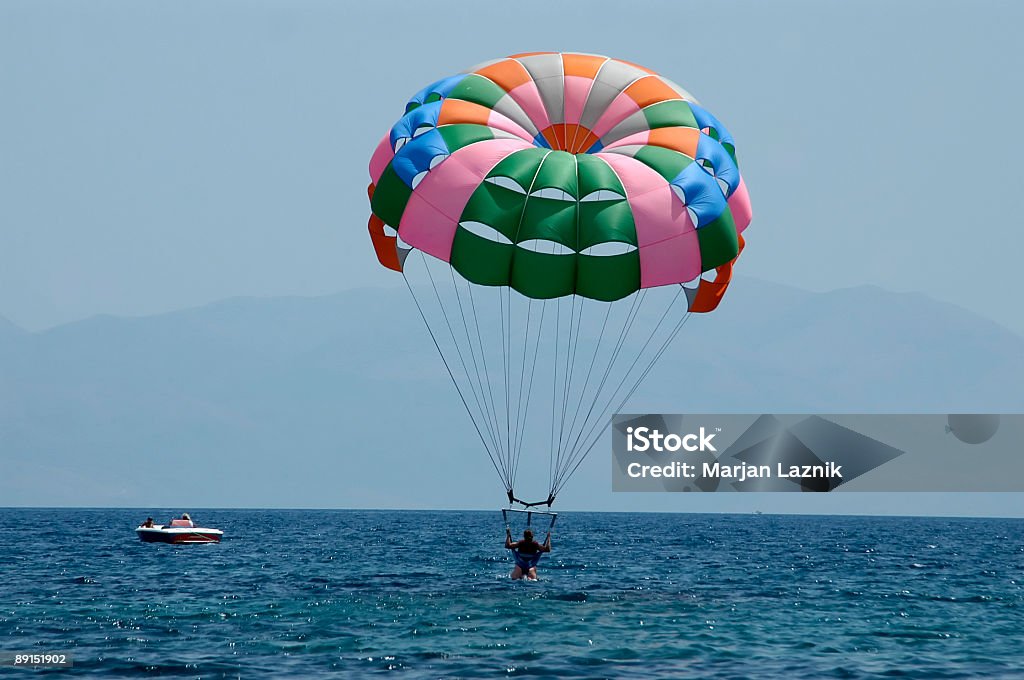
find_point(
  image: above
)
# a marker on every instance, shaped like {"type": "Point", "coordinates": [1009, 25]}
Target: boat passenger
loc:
{"type": "Point", "coordinates": [185, 521]}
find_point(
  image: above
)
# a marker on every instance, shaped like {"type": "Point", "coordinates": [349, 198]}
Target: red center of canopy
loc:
{"type": "Point", "coordinates": [569, 137]}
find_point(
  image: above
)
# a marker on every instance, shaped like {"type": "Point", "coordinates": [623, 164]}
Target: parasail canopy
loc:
{"type": "Point", "coordinates": [574, 208]}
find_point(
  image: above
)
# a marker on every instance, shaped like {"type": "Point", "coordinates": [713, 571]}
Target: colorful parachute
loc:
{"type": "Point", "coordinates": [568, 186]}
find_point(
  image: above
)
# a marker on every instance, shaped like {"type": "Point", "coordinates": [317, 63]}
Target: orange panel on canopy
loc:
{"type": "Point", "coordinates": [506, 74]}
{"type": "Point", "coordinates": [585, 65]}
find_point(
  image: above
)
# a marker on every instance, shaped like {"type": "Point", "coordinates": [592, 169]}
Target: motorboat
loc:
{"type": "Point", "coordinates": [178, 531]}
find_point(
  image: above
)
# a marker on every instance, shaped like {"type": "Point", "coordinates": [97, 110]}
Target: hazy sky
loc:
{"type": "Point", "coordinates": [161, 155]}
{"type": "Point", "coordinates": [155, 156]}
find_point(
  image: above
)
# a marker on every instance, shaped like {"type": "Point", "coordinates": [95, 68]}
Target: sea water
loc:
{"type": "Point", "coordinates": [309, 593]}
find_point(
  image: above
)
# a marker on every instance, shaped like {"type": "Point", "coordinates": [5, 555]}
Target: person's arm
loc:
{"type": "Point", "coordinates": [509, 545]}
{"type": "Point", "coordinates": [547, 544]}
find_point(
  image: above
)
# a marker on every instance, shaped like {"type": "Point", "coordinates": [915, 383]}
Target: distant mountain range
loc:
{"type": "Point", "coordinates": [341, 401]}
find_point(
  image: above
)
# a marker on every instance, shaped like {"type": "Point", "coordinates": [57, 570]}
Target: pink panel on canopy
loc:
{"type": "Point", "coordinates": [502, 122]}
{"type": "Point", "coordinates": [434, 208]}
{"type": "Point", "coordinates": [641, 138]}
{"type": "Point", "coordinates": [621, 108]}
{"type": "Point", "coordinates": [666, 236]}
{"type": "Point", "coordinates": [675, 260]}
{"type": "Point", "coordinates": [576, 90]}
{"type": "Point", "coordinates": [528, 97]}
{"type": "Point", "coordinates": [425, 227]}
{"type": "Point", "coordinates": [739, 205]}
{"type": "Point", "coordinates": [382, 155]}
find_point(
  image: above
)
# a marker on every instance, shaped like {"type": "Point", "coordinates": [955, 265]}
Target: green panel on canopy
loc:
{"type": "Point", "coordinates": [389, 197]}
{"type": "Point", "coordinates": [550, 219]}
{"type": "Point", "coordinates": [542, 276]}
{"type": "Point", "coordinates": [608, 278]}
{"type": "Point", "coordinates": [665, 162]}
{"type": "Point", "coordinates": [521, 166]}
{"type": "Point", "coordinates": [479, 260]}
{"type": "Point", "coordinates": [731, 150]}
{"type": "Point", "coordinates": [477, 89]}
{"type": "Point", "coordinates": [461, 134]}
{"type": "Point", "coordinates": [559, 171]}
{"type": "Point", "coordinates": [672, 113]}
{"type": "Point", "coordinates": [497, 207]}
{"type": "Point", "coordinates": [603, 221]}
{"type": "Point", "coordinates": [718, 241]}
{"type": "Point", "coordinates": [595, 174]}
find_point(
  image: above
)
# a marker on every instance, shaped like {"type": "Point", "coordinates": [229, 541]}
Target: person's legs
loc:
{"type": "Point", "coordinates": [517, 573]}
{"type": "Point", "coordinates": [532, 574]}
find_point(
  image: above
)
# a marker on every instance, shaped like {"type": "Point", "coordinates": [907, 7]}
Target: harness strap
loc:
{"type": "Point", "coordinates": [512, 499]}
{"type": "Point", "coordinates": [526, 562]}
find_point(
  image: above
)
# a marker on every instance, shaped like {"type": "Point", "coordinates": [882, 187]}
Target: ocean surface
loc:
{"type": "Point", "coordinates": [317, 593]}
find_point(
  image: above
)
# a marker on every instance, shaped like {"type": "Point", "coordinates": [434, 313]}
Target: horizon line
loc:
{"type": "Point", "coordinates": [479, 510]}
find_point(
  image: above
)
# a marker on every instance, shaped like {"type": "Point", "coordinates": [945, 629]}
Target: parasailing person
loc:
{"type": "Point", "coordinates": [526, 554]}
